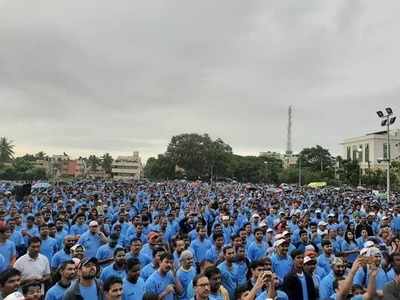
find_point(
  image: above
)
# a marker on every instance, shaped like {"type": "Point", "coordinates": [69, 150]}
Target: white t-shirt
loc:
{"type": "Point", "coordinates": [32, 268]}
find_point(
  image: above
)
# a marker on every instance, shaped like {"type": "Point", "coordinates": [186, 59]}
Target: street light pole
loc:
{"type": "Point", "coordinates": [387, 120]}
{"type": "Point", "coordinates": [359, 165]}
{"type": "Point", "coordinates": [388, 158]}
{"type": "Point", "coordinates": [299, 172]}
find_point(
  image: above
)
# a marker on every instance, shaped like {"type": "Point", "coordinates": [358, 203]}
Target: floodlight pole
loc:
{"type": "Point", "coordinates": [388, 159]}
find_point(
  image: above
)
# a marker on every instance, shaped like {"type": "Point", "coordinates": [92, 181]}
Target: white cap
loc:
{"type": "Point", "coordinates": [225, 218]}
{"type": "Point", "coordinates": [279, 242]}
{"type": "Point", "coordinates": [385, 217]}
{"type": "Point", "coordinates": [371, 214]}
{"type": "Point", "coordinates": [255, 216]}
{"type": "Point", "coordinates": [270, 230]}
{"type": "Point", "coordinates": [263, 224]}
{"type": "Point", "coordinates": [331, 215]}
{"type": "Point", "coordinates": [309, 248]}
{"type": "Point", "coordinates": [93, 223]}
{"type": "Point", "coordinates": [368, 244]}
{"type": "Point", "coordinates": [322, 223]}
{"type": "Point", "coordinates": [317, 210]}
{"type": "Point", "coordinates": [279, 236]}
{"type": "Point", "coordinates": [373, 251]}
{"type": "Point", "coordinates": [307, 259]}
{"type": "Point", "coordinates": [285, 233]}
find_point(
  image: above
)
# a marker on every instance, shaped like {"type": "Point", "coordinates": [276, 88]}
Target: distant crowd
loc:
{"type": "Point", "coordinates": [96, 240]}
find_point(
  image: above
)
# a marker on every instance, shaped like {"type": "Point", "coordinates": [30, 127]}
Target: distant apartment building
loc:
{"type": "Point", "coordinates": [370, 149]}
{"type": "Point", "coordinates": [64, 166]}
{"type": "Point", "coordinates": [127, 167]}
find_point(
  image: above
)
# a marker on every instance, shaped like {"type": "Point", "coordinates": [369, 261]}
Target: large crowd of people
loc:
{"type": "Point", "coordinates": [185, 240]}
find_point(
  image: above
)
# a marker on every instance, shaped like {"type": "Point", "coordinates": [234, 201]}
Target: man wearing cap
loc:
{"type": "Point", "coordinates": [326, 289]}
{"type": "Point", "coordinates": [382, 278]}
{"type": "Point", "coordinates": [92, 239]}
{"type": "Point", "coordinates": [309, 267]}
{"type": "Point", "coordinates": [281, 262]}
{"type": "Point", "coordinates": [86, 287]}
{"type": "Point", "coordinates": [153, 241]}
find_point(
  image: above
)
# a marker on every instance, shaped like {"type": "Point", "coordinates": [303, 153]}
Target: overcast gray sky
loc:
{"type": "Point", "coordinates": [117, 76]}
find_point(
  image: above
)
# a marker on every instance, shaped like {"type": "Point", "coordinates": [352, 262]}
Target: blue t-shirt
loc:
{"type": "Point", "coordinates": [110, 271]}
{"type": "Point", "coordinates": [56, 292]}
{"type": "Point", "coordinates": [256, 251]}
{"type": "Point", "coordinates": [229, 277]}
{"type": "Point", "coordinates": [157, 283]}
{"type": "Point", "coordinates": [147, 271]}
{"type": "Point", "coordinates": [7, 249]}
{"type": "Point", "coordinates": [200, 249]}
{"type": "Point", "coordinates": [89, 292]}
{"type": "Point", "coordinates": [91, 242]}
{"type": "Point", "coordinates": [279, 296]}
{"type": "Point", "coordinates": [185, 277]}
{"type": "Point", "coordinates": [133, 290]}
{"type": "Point", "coordinates": [3, 265]}
{"type": "Point", "coordinates": [281, 265]}
{"type": "Point", "coordinates": [48, 247]}
{"type": "Point", "coordinates": [59, 258]}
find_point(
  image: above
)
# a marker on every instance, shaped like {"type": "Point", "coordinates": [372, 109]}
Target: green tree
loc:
{"type": "Point", "coordinates": [41, 155]}
{"type": "Point", "coordinates": [93, 162]}
{"type": "Point", "coordinates": [6, 150]}
{"type": "Point", "coordinates": [106, 163]}
{"type": "Point", "coordinates": [160, 168]}
{"type": "Point", "coordinates": [198, 155]}
{"type": "Point", "coordinates": [316, 158]}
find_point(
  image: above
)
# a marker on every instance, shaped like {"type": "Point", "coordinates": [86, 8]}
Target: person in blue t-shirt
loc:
{"type": "Point", "coordinates": [229, 271]}
{"type": "Point", "coordinates": [164, 282]}
{"type": "Point", "coordinates": [92, 239]}
{"type": "Point", "coordinates": [7, 247]}
{"type": "Point", "coordinates": [258, 248]}
{"type": "Point", "coordinates": [133, 284]}
{"type": "Point", "coordinates": [201, 244]}
{"type": "Point", "coordinates": [63, 254]}
{"type": "Point", "coordinates": [105, 253]}
{"type": "Point", "coordinates": [117, 269]}
{"type": "Point", "coordinates": [136, 246]}
{"type": "Point", "coordinates": [79, 227]}
{"type": "Point", "coordinates": [186, 272]}
{"type": "Point", "coordinates": [86, 286]}
{"type": "Point", "coordinates": [113, 288]}
{"type": "Point", "coordinates": [67, 273]}
{"type": "Point", "coordinates": [48, 245]}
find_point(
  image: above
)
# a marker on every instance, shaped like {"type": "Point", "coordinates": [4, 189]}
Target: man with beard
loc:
{"type": "Point", "coordinates": [215, 254]}
{"type": "Point", "coordinates": [229, 271]}
{"type": "Point", "coordinates": [86, 286]}
{"type": "Point", "coordinates": [63, 254]}
{"type": "Point", "coordinates": [201, 244]}
{"type": "Point", "coordinates": [79, 227]}
{"type": "Point", "coordinates": [217, 291]}
{"type": "Point", "coordinates": [10, 280]}
{"type": "Point", "coordinates": [61, 233]}
{"type": "Point", "coordinates": [163, 282]}
{"type": "Point", "coordinates": [298, 285]}
{"type": "Point", "coordinates": [186, 272]}
{"type": "Point", "coordinates": [117, 269]}
{"type": "Point", "coordinates": [282, 263]}
{"type": "Point", "coordinates": [48, 245]}
{"type": "Point", "coordinates": [133, 284]}
{"type": "Point", "coordinates": [92, 239]}
{"type": "Point", "coordinates": [66, 272]}
{"type": "Point", "coordinates": [34, 265]}
{"type": "Point", "coordinates": [113, 288]}
{"type": "Point", "coordinates": [150, 268]}
{"type": "Point", "coordinates": [326, 287]}
{"type": "Point", "coordinates": [324, 260]}
{"type": "Point", "coordinates": [309, 267]}
{"type": "Point", "coordinates": [258, 248]}
{"type": "Point", "coordinates": [180, 246]}
{"type": "Point", "coordinates": [154, 241]}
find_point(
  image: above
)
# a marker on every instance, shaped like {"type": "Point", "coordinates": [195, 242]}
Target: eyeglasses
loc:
{"type": "Point", "coordinates": [203, 285]}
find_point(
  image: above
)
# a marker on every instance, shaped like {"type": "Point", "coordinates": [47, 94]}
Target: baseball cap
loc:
{"type": "Point", "coordinates": [262, 224]}
{"type": "Point", "coordinates": [322, 223]}
{"type": "Point", "coordinates": [93, 223]}
{"type": "Point", "coordinates": [368, 244]}
{"type": "Point", "coordinates": [225, 218]}
{"type": "Point", "coordinates": [255, 216]}
{"type": "Point", "coordinates": [308, 259]}
{"type": "Point", "coordinates": [152, 235]}
{"type": "Point", "coordinates": [337, 261]}
{"type": "Point", "coordinates": [88, 260]}
{"type": "Point", "coordinates": [270, 230]}
{"type": "Point", "coordinates": [279, 242]}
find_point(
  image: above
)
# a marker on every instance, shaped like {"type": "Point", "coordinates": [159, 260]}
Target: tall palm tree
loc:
{"type": "Point", "coordinates": [93, 162]}
{"type": "Point", "coordinates": [41, 155]}
{"type": "Point", "coordinates": [6, 150]}
{"type": "Point", "coordinates": [106, 163]}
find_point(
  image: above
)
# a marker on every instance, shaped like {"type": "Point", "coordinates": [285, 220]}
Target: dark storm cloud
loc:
{"type": "Point", "coordinates": [96, 76]}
